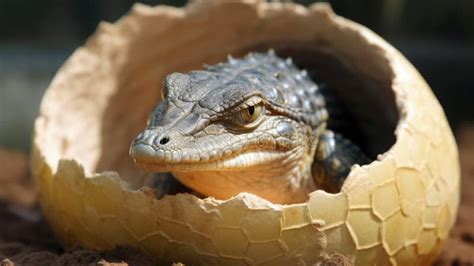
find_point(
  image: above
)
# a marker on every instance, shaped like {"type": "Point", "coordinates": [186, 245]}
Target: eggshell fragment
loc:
{"type": "Point", "coordinates": [398, 209]}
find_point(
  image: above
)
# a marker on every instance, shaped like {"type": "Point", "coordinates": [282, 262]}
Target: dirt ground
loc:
{"type": "Point", "coordinates": [25, 238]}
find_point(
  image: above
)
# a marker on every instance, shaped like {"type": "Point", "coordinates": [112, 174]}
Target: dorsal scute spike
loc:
{"type": "Point", "coordinates": [251, 57]}
{"type": "Point", "coordinates": [304, 73]}
{"type": "Point", "coordinates": [231, 59]}
{"type": "Point", "coordinates": [289, 61]}
{"type": "Point", "coordinates": [173, 82]}
{"type": "Point", "coordinates": [271, 51]}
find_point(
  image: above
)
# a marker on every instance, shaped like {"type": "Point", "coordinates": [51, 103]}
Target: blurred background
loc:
{"type": "Point", "coordinates": [36, 37]}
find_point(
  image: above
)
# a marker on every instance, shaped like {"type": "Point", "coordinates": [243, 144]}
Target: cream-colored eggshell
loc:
{"type": "Point", "coordinates": [399, 209]}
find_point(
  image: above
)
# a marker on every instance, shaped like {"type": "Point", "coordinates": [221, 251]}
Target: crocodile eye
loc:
{"type": "Point", "coordinates": [251, 113]}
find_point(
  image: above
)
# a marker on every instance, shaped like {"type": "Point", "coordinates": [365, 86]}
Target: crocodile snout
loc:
{"type": "Point", "coordinates": [148, 146]}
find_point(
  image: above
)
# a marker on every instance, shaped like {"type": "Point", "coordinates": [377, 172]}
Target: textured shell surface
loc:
{"type": "Point", "coordinates": [396, 210]}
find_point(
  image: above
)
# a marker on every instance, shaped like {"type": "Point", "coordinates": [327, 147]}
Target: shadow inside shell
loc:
{"type": "Point", "coordinates": [366, 109]}
{"type": "Point", "coordinates": [361, 106]}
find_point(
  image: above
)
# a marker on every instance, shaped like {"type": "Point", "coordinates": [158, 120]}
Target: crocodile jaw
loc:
{"type": "Point", "coordinates": [277, 170]}
{"type": "Point", "coordinates": [264, 183]}
{"type": "Point", "coordinates": [280, 177]}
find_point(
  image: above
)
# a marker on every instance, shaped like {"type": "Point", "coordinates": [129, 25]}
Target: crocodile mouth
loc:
{"type": "Point", "coordinates": [253, 157]}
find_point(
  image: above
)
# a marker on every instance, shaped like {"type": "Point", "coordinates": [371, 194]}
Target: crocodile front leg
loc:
{"type": "Point", "coordinates": [335, 155]}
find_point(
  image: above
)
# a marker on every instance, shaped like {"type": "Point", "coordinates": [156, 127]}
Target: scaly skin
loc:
{"type": "Point", "coordinates": [252, 124]}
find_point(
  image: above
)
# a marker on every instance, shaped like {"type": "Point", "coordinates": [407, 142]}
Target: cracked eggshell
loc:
{"type": "Point", "coordinates": [398, 210]}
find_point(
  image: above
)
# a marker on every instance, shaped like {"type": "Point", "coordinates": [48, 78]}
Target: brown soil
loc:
{"type": "Point", "coordinates": [26, 239]}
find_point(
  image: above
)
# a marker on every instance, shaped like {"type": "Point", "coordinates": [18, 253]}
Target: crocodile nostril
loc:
{"type": "Point", "coordinates": [164, 140]}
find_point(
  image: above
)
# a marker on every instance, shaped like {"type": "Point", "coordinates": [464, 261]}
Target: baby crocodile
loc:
{"type": "Point", "coordinates": [256, 124]}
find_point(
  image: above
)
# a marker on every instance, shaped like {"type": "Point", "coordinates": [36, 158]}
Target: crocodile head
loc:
{"type": "Point", "coordinates": [246, 125]}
